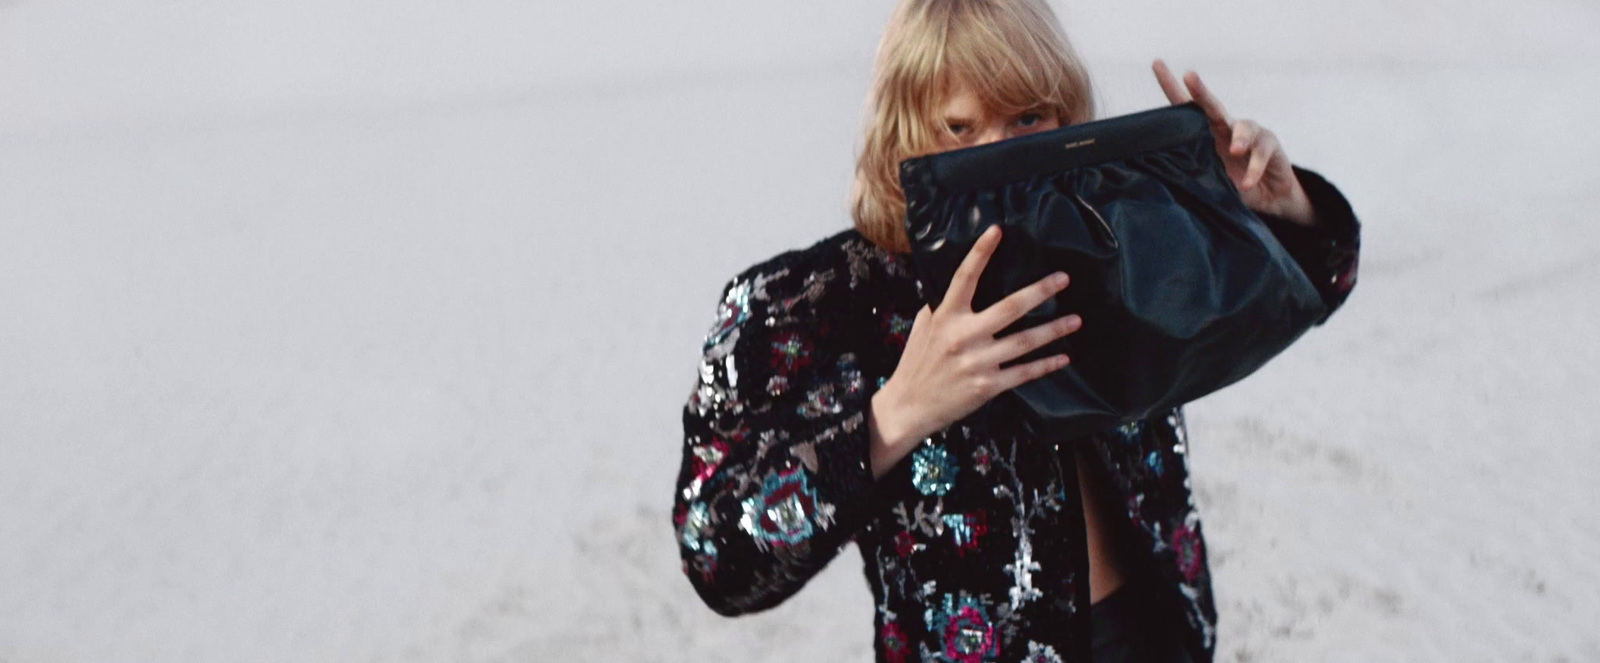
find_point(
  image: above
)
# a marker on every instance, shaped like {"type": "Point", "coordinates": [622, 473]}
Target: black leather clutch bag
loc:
{"type": "Point", "coordinates": [1183, 290]}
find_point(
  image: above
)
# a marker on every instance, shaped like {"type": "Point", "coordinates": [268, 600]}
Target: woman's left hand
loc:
{"type": "Point", "coordinates": [1255, 160]}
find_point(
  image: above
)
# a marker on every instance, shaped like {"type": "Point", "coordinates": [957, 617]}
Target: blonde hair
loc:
{"type": "Point", "coordinates": [1011, 53]}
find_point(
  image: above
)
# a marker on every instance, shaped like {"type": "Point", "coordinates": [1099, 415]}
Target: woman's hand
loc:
{"type": "Point", "coordinates": [1255, 160]}
{"type": "Point", "coordinates": [951, 364]}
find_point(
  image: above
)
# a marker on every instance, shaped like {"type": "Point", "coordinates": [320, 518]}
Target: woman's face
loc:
{"type": "Point", "coordinates": [968, 123]}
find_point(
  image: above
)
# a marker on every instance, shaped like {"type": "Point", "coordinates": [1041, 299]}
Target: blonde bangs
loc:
{"type": "Point", "coordinates": [1012, 53]}
{"type": "Point", "coordinates": [1015, 60]}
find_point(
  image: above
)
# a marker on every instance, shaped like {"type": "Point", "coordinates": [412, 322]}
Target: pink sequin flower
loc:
{"type": "Point", "coordinates": [790, 352]}
{"type": "Point", "coordinates": [964, 629]}
{"type": "Point", "coordinates": [1191, 556]}
{"type": "Point", "coordinates": [905, 544]}
{"type": "Point", "coordinates": [896, 649]}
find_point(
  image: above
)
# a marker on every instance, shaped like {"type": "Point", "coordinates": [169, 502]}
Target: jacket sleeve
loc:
{"type": "Point", "coordinates": [1329, 252]}
{"type": "Point", "coordinates": [775, 476]}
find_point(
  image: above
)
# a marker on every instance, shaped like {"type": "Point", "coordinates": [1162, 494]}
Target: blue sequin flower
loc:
{"type": "Point", "coordinates": [1154, 461]}
{"type": "Point", "coordinates": [933, 470]}
{"type": "Point", "coordinates": [782, 513]}
{"type": "Point", "coordinates": [697, 528]}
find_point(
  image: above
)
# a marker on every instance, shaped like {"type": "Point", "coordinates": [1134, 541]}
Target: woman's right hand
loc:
{"type": "Point", "coordinates": [951, 363]}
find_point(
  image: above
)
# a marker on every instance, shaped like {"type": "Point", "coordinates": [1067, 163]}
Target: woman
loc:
{"type": "Point", "coordinates": [833, 405]}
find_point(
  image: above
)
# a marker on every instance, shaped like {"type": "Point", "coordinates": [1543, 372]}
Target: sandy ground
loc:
{"type": "Point", "coordinates": [347, 332]}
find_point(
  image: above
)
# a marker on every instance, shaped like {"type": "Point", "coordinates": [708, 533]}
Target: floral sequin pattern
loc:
{"type": "Point", "coordinates": [784, 513]}
{"type": "Point", "coordinates": [1191, 553]}
{"type": "Point", "coordinates": [964, 630]}
{"type": "Point", "coordinates": [707, 457]}
{"type": "Point", "coordinates": [849, 374]}
{"type": "Point", "coordinates": [790, 352]}
{"type": "Point", "coordinates": [896, 328]}
{"type": "Point", "coordinates": [905, 544]}
{"type": "Point", "coordinates": [971, 550]}
{"type": "Point", "coordinates": [933, 470]}
{"type": "Point", "coordinates": [695, 534]}
{"type": "Point", "coordinates": [966, 528]}
{"type": "Point", "coordinates": [1038, 653]}
{"type": "Point", "coordinates": [732, 312]}
{"type": "Point", "coordinates": [896, 647]}
{"type": "Point", "coordinates": [981, 457]}
{"type": "Point", "coordinates": [1153, 461]}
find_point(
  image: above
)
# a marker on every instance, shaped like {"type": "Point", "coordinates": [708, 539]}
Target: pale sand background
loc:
{"type": "Point", "coordinates": [358, 331]}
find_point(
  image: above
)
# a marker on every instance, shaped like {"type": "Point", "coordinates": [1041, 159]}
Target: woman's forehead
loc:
{"type": "Point", "coordinates": [958, 99]}
{"type": "Point", "coordinates": [959, 96]}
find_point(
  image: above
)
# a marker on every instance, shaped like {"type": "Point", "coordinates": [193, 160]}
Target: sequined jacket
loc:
{"type": "Point", "coordinates": [973, 545]}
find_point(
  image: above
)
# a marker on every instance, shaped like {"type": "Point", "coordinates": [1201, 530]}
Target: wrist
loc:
{"type": "Point", "coordinates": [1299, 210]}
{"type": "Point", "coordinates": [892, 436]}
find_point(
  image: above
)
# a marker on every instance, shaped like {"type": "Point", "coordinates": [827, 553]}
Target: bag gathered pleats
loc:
{"type": "Point", "coordinates": [1182, 289]}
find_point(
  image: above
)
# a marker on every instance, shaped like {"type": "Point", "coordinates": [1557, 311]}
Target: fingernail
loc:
{"type": "Point", "coordinates": [1074, 321]}
{"type": "Point", "coordinates": [1059, 279]}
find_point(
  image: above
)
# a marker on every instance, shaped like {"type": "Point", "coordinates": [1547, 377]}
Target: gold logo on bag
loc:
{"type": "Point", "coordinates": [1080, 143]}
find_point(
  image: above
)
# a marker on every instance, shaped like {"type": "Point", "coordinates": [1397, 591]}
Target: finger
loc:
{"type": "Point", "coordinates": [1028, 340]}
{"type": "Point", "coordinates": [1017, 304]}
{"type": "Point", "coordinates": [1244, 134]}
{"type": "Point", "coordinates": [965, 280]}
{"type": "Point", "coordinates": [1260, 157]}
{"type": "Point", "coordinates": [1252, 175]}
{"type": "Point", "coordinates": [1016, 376]}
{"type": "Point", "coordinates": [1169, 83]}
{"type": "Point", "coordinates": [1208, 101]}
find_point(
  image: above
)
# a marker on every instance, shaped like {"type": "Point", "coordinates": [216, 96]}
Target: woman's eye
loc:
{"type": "Point", "coordinates": [957, 128]}
{"type": "Point", "coordinates": [1028, 119]}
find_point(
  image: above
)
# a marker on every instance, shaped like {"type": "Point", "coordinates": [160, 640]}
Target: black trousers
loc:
{"type": "Point", "coordinates": [1130, 626]}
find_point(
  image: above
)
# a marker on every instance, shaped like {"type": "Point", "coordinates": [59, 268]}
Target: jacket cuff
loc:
{"type": "Point", "coordinates": [1328, 252]}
